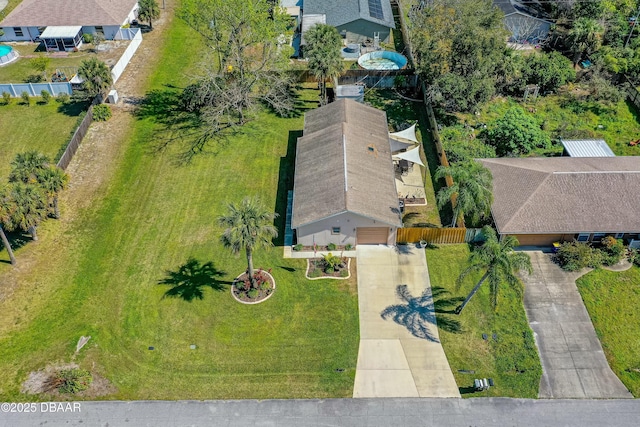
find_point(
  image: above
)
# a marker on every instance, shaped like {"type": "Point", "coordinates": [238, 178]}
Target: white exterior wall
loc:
{"type": "Point", "coordinates": [320, 232]}
{"type": "Point", "coordinates": [28, 34]}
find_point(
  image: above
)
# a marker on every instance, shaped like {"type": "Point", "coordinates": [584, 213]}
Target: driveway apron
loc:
{"type": "Point", "coordinates": [399, 356]}
{"type": "Point", "coordinates": [573, 363]}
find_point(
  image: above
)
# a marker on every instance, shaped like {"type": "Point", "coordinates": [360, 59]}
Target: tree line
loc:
{"type": "Point", "coordinates": [30, 196]}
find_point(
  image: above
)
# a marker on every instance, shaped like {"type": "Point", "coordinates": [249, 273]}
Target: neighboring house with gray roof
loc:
{"type": "Point", "coordinates": [523, 27]}
{"type": "Point", "coordinates": [543, 200]}
{"type": "Point", "coordinates": [28, 21]}
{"type": "Point", "coordinates": [358, 21]}
{"type": "Point", "coordinates": [344, 190]}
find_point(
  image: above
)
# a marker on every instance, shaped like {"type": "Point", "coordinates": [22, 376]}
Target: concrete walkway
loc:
{"type": "Point", "coordinates": [400, 356]}
{"type": "Point", "coordinates": [403, 412]}
{"type": "Point", "coordinates": [573, 363]}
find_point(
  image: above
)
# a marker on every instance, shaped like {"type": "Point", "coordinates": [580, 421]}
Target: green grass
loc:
{"type": "Point", "coordinates": [19, 70]}
{"type": "Point", "coordinates": [512, 361]}
{"type": "Point", "coordinates": [40, 127]}
{"type": "Point", "coordinates": [612, 299]}
{"type": "Point", "coordinates": [617, 124]}
{"type": "Point", "coordinates": [156, 214]}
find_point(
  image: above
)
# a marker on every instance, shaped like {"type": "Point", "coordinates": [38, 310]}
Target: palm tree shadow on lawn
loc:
{"type": "Point", "coordinates": [418, 314]}
{"type": "Point", "coordinates": [191, 278]}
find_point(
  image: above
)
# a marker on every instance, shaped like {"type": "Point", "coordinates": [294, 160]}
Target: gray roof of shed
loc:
{"type": "Point", "coordinates": [340, 12]}
{"type": "Point", "coordinates": [42, 13]}
{"type": "Point", "coordinates": [343, 164]}
{"type": "Point", "coordinates": [565, 194]}
{"type": "Point", "coordinates": [587, 148]}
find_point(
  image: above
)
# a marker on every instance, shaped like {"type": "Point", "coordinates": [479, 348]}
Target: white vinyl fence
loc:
{"type": "Point", "coordinates": [35, 89]}
{"type": "Point", "coordinates": [136, 39]}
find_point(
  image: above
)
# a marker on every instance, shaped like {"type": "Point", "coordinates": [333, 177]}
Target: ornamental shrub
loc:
{"type": "Point", "coordinates": [331, 247]}
{"type": "Point", "coordinates": [574, 256]}
{"type": "Point", "coordinates": [612, 250]}
{"type": "Point", "coordinates": [101, 113]}
{"type": "Point", "coordinates": [516, 133]}
{"type": "Point", "coordinates": [6, 97]}
{"type": "Point", "coordinates": [46, 96]}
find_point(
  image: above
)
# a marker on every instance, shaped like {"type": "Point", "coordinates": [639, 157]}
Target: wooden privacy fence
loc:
{"type": "Point", "coordinates": [76, 139]}
{"type": "Point", "coordinates": [438, 235]}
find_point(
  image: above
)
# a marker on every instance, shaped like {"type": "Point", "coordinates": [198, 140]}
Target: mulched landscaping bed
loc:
{"type": "Point", "coordinates": [315, 269]}
{"type": "Point", "coordinates": [243, 292]}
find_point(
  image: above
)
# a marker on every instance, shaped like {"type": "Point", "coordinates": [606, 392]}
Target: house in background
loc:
{"type": "Point", "coordinates": [344, 190]}
{"type": "Point", "coordinates": [358, 21]}
{"type": "Point", "coordinates": [544, 200]}
{"type": "Point", "coordinates": [522, 23]}
{"type": "Point", "coordinates": [61, 23]}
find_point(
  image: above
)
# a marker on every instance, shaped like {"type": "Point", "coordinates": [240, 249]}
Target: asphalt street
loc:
{"type": "Point", "coordinates": [396, 412]}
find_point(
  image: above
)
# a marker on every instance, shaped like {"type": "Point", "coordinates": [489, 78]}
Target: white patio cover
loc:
{"type": "Point", "coordinates": [60, 32]}
{"type": "Point", "coordinates": [412, 155]}
{"type": "Point", "coordinates": [399, 145]}
{"type": "Point", "coordinates": [409, 134]}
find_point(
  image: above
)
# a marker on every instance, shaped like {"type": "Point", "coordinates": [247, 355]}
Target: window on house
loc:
{"type": "Point", "coordinates": [583, 237]}
{"type": "Point", "coordinates": [619, 235]}
{"type": "Point", "coordinates": [100, 30]}
{"type": "Point", "coordinates": [598, 237]}
{"type": "Point", "coordinates": [335, 230]}
{"type": "Point", "coordinates": [18, 31]}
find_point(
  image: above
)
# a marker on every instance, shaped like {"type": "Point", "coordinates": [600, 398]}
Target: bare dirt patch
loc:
{"type": "Point", "coordinates": [36, 383]}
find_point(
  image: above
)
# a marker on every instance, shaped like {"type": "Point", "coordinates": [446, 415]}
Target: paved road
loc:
{"type": "Point", "coordinates": [573, 363]}
{"type": "Point", "coordinates": [399, 412]}
{"type": "Point", "coordinates": [399, 356]}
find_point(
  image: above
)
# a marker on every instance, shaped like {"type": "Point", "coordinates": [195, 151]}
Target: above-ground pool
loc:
{"type": "Point", "coordinates": [7, 54]}
{"type": "Point", "coordinates": [382, 60]}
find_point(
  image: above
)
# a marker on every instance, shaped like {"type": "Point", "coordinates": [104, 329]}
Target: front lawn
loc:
{"type": "Point", "coordinates": [45, 128]}
{"type": "Point", "coordinates": [101, 277]}
{"type": "Point", "coordinates": [612, 300]}
{"type": "Point", "coordinates": [510, 358]}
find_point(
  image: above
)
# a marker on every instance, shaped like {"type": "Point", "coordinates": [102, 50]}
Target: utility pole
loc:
{"type": "Point", "coordinates": [635, 21]}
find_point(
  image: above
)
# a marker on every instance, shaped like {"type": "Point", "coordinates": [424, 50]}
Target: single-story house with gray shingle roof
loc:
{"type": "Point", "coordinates": [28, 21]}
{"type": "Point", "coordinates": [522, 26]}
{"type": "Point", "coordinates": [344, 190]}
{"type": "Point", "coordinates": [543, 200]}
{"type": "Point", "coordinates": [357, 20]}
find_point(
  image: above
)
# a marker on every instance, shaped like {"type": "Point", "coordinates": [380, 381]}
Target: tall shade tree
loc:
{"type": "Point", "coordinates": [471, 192]}
{"type": "Point", "coordinates": [25, 167]}
{"type": "Point", "coordinates": [250, 68]}
{"type": "Point", "coordinates": [53, 180]}
{"type": "Point", "coordinates": [458, 46]}
{"type": "Point", "coordinates": [499, 262]}
{"type": "Point", "coordinates": [148, 10]}
{"type": "Point", "coordinates": [6, 221]}
{"type": "Point", "coordinates": [322, 49]}
{"type": "Point", "coordinates": [96, 75]}
{"type": "Point", "coordinates": [30, 207]}
{"type": "Point", "coordinates": [248, 226]}
{"type": "Point", "coordinates": [585, 38]}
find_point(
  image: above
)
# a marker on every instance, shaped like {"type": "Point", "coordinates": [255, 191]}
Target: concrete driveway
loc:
{"type": "Point", "coordinates": [573, 363]}
{"type": "Point", "coordinates": [399, 355]}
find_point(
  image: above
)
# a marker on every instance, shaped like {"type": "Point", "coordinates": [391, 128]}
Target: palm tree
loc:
{"type": "Point", "coordinates": [471, 192]}
{"type": "Point", "coordinates": [30, 207]}
{"type": "Point", "coordinates": [6, 221]}
{"type": "Point", "coordinates": [96, 75]}
{"type": "Point", "coordinates": [500, 262]}
{"type": "Point", "coordinates": [53, 180]}
{"type": "Point", "coordinates": [322, 49]}
{"type": "Point", "coordinates": [585, 37]}
{"type": "Point", "coordinates": [148, 10]}
{"type": "Point", "coordinates": [26, 166]}
{"type": "Point", "coordinates": [248, 226]}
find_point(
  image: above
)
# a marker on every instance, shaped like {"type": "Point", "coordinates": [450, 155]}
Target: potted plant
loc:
{"type": "Point", "coordinates": [422, 244]}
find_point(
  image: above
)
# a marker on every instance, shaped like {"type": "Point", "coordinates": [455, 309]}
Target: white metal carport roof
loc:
{"type": "Point", "coordinates": [60, 32]}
